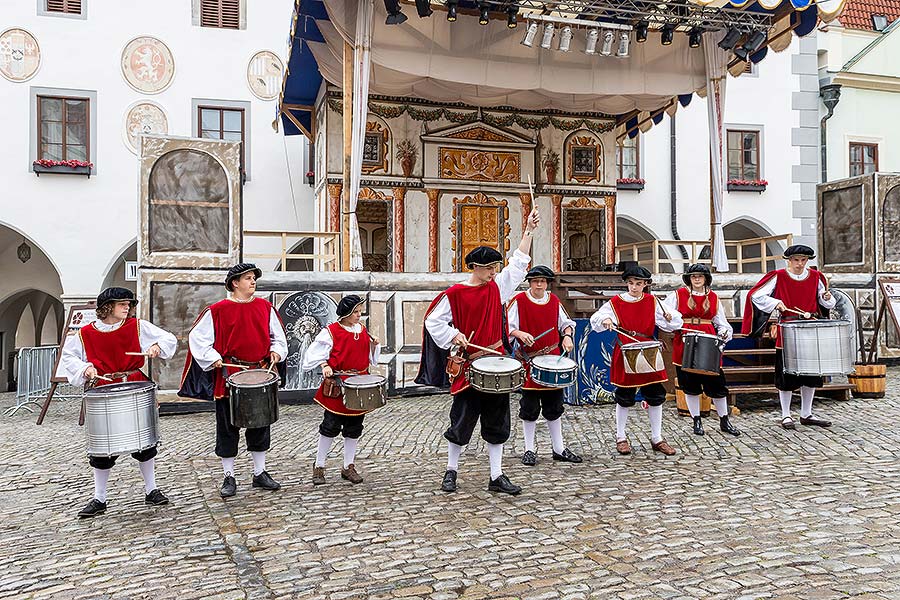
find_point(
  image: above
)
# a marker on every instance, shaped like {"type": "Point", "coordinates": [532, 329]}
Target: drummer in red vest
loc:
{"type": "Point", "coordinates": [239, 330]}
{"type": "Point", "coordinates": [637, 314]}
{"type": "Point", "coordinates": [538, 312]}
{"type": "Point", "coordinates": [701, 311]}
{"type": "Point", "coordinates": [796, 288]}
{"type": "Point", "coordinates": [472, 312]}
{"type": "Point", "coordinates": [99, 349]}
{"type": "Point", "coordinates": [344, 347]}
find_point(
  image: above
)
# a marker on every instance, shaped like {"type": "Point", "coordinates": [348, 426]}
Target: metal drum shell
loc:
{"type": "Point", "coordinates": [495, 382]}
{"type": "Point", "coordinates": [121, 418]}
{"type": "Point", "coordinates": [818, 348]}
{"type": "Point", "coordinates": [549, 376]}
{"type": "Point", "coordinates": [252, 406]}
{"type": "Point", "coordinates": [702, 353]}
{"type": "Point", "coordinates": [364, 396]}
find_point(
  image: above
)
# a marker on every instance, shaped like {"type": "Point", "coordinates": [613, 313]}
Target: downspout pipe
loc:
{"type": "Point", "coordinates": [673, 187]}
{"type": "Point", "coordinates": [831, 95]}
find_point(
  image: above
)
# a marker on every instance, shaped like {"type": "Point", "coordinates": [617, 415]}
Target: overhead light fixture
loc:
{"type": "Point", "coordinates": [530, 32]}
{"type": "Point", "coordinates": [547, 40]}
{"type": "Point", "coordinates": [608, 39]}
{"type": "Point", "coordinates": [624, 42]}
{"type": "Point", "coordinates": [423, 7]}
{"type": "Point", "coordinates": [512, 16]}
{"type": "Point", "coordinates": [667, 34]}
{"type": "Point", "coordinates": [590, 46]}
{"type": "Point", "coordinates": [640, 31]}
{"type": "Point", "coordinates": [732, 37]}
{"type": "Point", "coordinates": [695, 36]}
{"type": "Point", "coordinates": [751, 46]}
{"type": "Point", "coordinates": [483, 13]}
{"type": "Point", "coordinates": [565, 39]}
{"type": "Point", "coordinates": [23, 251]}
{"type": "Point", "coordinates": [451, 10]}
{"type": "Point", "coordinates": [395, 16]}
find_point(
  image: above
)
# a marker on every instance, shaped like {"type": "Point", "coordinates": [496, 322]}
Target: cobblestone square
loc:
{"type": "Point", "coordinates": [805, 514]}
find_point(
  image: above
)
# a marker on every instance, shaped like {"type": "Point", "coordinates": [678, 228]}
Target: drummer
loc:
{"type": "Point", "coordinates": [472, 312]}
{"type": "Point", "coordinates": [239, 330]}
{"type": "Point", "coordinates": [99, 350]}
{"type": "Point", "coordinates": [344, 347]}
{"type": "Point", "coordinates": [538, 312]}
{"type": "Point", "coordinates": [638, 313]}
{"type": "Point", "coordinates": [796, 288]}
{"type": "Point", "coordinates": [701, 311]}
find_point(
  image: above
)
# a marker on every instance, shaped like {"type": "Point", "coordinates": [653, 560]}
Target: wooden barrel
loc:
{"type": "Point", "coordinates": [681, 403]}
{"type": "Point", "coordinates": [868, 381]}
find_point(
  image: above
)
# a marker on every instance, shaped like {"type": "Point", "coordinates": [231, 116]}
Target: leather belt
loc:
{"type": "Point", "coordinates": [259, 364]}
{"type": "Point", "coordinates": [481, 353]}
{"type": "Point", "coordinates": [696, 321]}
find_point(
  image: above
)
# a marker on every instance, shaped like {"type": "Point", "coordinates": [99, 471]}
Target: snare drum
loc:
{"type": "Point", "coordinates": [818, 348]}
{"type": "Point", "coordinates": [121, 418]}
{"type": "Point", "coordinates": [641, 358]}
{"type": "Point", "coordinates": [253, 398]}
{"type": "Point", "coordinates": [364, 392]}
{"type": "Point", "coordinates": [553, 371]}
{"type": "Point", "coordinates": [702, 353]}
{"type": "Point", "coordinates": [496, 374]}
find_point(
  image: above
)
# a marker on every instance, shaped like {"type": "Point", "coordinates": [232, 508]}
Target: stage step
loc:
{"type": "Point", "coordinates": [743, 351]}
{"type": "Point", "coordinates": [749, 370]}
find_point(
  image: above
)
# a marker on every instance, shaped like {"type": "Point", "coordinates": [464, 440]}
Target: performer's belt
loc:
{"type": "Point", "coordinates": [481, 353]}
{"type": "Point", "coordinates": [121, 375]}
{"type": "Point", "coordinates": [259, 364]}
{"type": "Point", "coordinates": [541, 352]}
{"type": "Point", "coordinates": [696, 321]}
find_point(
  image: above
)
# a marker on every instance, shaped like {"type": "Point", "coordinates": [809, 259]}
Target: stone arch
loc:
{"type": "Point", "coordinates": [744, 228]}
{"type": "Point", "coordinates": [630, 231]}
{"type": "Point", "coordinates": [115, 270]}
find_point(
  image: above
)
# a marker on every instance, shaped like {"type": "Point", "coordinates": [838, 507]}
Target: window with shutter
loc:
{"type": "Point", "coordinates": [70, 7]}
{"type": "Point", "coordinates": [223, 14]}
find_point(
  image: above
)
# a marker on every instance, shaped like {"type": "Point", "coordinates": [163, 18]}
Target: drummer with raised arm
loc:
{"type": "Point", "coordinates": [239, 332]}
{"type": "Point", "coordinates": [113, 349]}
{"type": "Point", "coordinates": [472, 313]}
{"type": "Point", "coordinates": [794, 292]}
{"type": "Point", "coordinates": [702, 312]}
{"type": "Point", "coordinates": [538, 320]}
{"type": "Point", "coordinates": [342, 349]}
{"type": "Point", "coordinates": [636, 314]}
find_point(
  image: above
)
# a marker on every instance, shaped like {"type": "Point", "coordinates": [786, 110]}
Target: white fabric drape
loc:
{"type": "Point", "coordinates": [362, 51]}
{"type": "Point", "coordinates": [716, 74]}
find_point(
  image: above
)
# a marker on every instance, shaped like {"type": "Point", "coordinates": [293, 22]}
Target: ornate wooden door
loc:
{"type": "Point", "coordinates": [479, 226]}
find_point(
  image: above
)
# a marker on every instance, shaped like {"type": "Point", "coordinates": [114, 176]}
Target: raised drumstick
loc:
{"type": "Point", "coordinates": [233, 366]}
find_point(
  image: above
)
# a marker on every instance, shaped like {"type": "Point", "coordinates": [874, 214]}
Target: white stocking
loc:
{"type": "Point", "coordinates": [556, 438]}
{"type": "Point", "coordinates": [721, 406]}
{"type": "Point", "coordinates": [806, 401]}
{"type": "Point", "coordinates": [655, 414]}
{"type": "Point", "coordinates": [785, 398]}
{"type": "Point", "coordinates": [101, 477]}
{"type": "Point", "coordinates": [148, 473]}
{"type": "Point", "coordinates": [495, 455]}
{"type": "Point", "coordinates": [621, 421]}
{"type": "Point", "coordinates": [259, 461]}
{"type": "Point", "coordinates": [350, 451]}
{"type": "Point", "coordinates": [693, 403]}
{"type": "Point", "coordinates": [228, 466]}
{"type": "Point", "coordinates": [453, 453]}
{"type": "Point", "coordinates": [322, 452]}
{"type": "Point", "coordinates": [528, 428]}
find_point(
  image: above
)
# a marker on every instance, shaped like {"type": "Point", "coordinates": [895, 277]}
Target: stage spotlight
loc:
{"type": "Point", "coordinates": [624, 42]}
{"type": "Point", "coordinates": [565, 39]}
{"type": "Point", "coordinates": [695, 36]}
{"type": "Point", "coordinates": [732, 37]}
{"type": "Point", "coordinates": [590, 46]}
{"type": "Point", "coordinates": [423, 7]}
{"type": "Point", "coordinates": [547, 39]}
{"type": "Point", "coordinates": [451, 10]}
{"type": "Point", "coordinates": [667, 34]}
{"type": "Point", "coordinates": [608, 39]}
{"type": "Point", "coordinates": [395, 15]}
{"type": "Point", "coordinates": [640, 31]}
{"type": "Point", "coordinates": [512, 16]}
{"type": "Point", "coordinates": [483, 13]}
{"type": "Point", "coordinates": [751, 46]}
{"type": "Point", "coordinates": [530, 32]}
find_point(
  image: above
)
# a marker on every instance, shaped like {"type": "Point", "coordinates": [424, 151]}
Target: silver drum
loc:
{"type": "Point", "coordinates": [819, 347]}
{"type": "Point", "coordinates": [364, 392]}
{"type": "Point", "coordinates": [121, 418]}
{"type": "Point", "coordinates": [496, 374]}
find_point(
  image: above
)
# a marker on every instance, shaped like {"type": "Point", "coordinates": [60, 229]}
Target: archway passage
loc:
{"type": "Point", "coordinates": [629, 231]}
{"type": "Point", "coordinates": [747, 229]}
{"type": "Point", "coordinates": [117, 275]}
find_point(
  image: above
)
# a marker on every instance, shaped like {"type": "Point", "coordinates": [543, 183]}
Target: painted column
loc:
{"type": "Point", "coordinates": [556, 224]}
{"type": "Point", "coordinates": [527, 203]}
{"type": "Point", "coordinates": [434, 197]}
{"type": "Point", "coordinates": [399, 245]}
{"type": "Point", "coordinates": [610, 229]}
{"type": "Point", "coordinates": [334, 206]}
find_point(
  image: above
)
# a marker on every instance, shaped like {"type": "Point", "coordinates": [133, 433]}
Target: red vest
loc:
{"type": "Point", "coordinates": [476, 309]}
{"type": "Point", "coordinates": [106, 350]}
{"type": "Point", "coordinates": [349, 352]}
{"type": "Point", "coordinates": [535, 319]}
{"type": "Point", "coordinates": [242, 332]}
{"type": "Point", "coordinates": [802, 295]}
{"type": "Point", "coordinates": [684, 294]}
{"type": "Point", "coordinates": [639, 317]}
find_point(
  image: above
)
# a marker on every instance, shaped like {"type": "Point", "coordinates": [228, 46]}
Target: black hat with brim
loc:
{"type": "Point", "coordinates": [115, 294]}
{"type": "Point", "coordinates": [540, 272]}
{"type": "Point", "coordinates": [799, 250]}
{"type": "Point", "coordinates": [347, 304]}
{"type": "Point", "coordinates": [238, 270]}
{"type": "Point", "coordinates": [638, 273]}
{"type": "Point", "coordinates": [483, 256]}
{"type": "Point", "coordinates": [697, 269]}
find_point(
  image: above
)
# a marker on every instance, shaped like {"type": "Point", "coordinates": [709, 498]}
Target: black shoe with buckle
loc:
{"type": "Point", "coordinates": [810, 420]}
{"type": "Point", "coordinates": [156, 498]}
{"type": "Point", "coordinates": [529, 458]}
{"type": "Point", "coordinates": [503, 484]}
{"type": "Point", "coordinates": [265, 481]}
{"type": "Point", "coordinates": [449, 482]}
{"type": "Point", "coordinates": [567, 456]}
{"type": "Point", "coordinates": [229, 487]}
{"type": "Point", "coordinates": [93, 508]}
{"type": "Point", "coordinates": [726, 426]}
{"type": "Point", "coordinates": [698, 426]}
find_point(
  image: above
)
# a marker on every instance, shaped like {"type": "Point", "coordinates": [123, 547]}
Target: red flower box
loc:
{"type": "Point", "coordinates": [747, 185]}
{"type": "Point", "coordinates": [65, 167]}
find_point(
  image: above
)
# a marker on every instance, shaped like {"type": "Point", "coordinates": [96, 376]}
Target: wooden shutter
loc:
{"type": "Point", "coordinates": [72, 7]}
{"type": "Point", "coordinates": [224, 14]}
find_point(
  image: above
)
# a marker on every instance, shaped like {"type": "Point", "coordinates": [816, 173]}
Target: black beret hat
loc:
{"type": "Point", "coordinates": [799, 250]}
{"type": "Point", "coordinates": [238, 270]}
{"type": "Point", "coordinates": [347, 304]}
{"type": "Point", "coordinates": [694, 269]}
{"type": "Point", "coordinates": [637, 272]}
{"type": "Point", "coordinates": [115, 294]}
{"type": "Point", "coordinates": [483, 256]}
{"type": "Point", "coordinates": [540, 272]}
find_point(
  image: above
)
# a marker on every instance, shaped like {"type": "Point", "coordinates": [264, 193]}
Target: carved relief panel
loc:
{"type": "Point", "coordinates": [478, 165]}
{"type": "Point", "coordinates": [584, 159]}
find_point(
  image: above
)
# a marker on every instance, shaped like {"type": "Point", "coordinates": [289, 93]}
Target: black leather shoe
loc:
{"type": "Point", "coordinates": [567, 456]}
{"type": "Point", "coordinates": [229, 487]}
{"type": "Point", "coordinates": [810, 420]}
{"type": "Point", "coordinates": [503, 484]}
{"type": "Point", "coordinates": [265, 481]}
{"type": "Point", "coordinates": [726, 426]}
{"type": "Point", "coordinates": [93, 508]}
{"type": "Point", "coordinates": [156, 498]}
{"type": "Point", "coordinates": [449, 482]}
{"type": "Point", "coordinates": [698, 426]}
{"type": "Point", "coordinates": [529, 458]}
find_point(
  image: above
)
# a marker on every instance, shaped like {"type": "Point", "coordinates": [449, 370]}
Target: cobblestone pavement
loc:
{"type": "Point", "coordinates": [807, 514]}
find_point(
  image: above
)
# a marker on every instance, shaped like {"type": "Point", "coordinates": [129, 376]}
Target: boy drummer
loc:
{"type": "Point", "coordinates": [639, 314]}
{"type": "Point", "coordinates": [538, 313]}
{"type": "Point", "coordinates": [97, 356]}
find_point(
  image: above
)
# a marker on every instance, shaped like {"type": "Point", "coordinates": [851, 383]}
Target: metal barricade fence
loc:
{"type": "Point", "coordinates": [34, 373]}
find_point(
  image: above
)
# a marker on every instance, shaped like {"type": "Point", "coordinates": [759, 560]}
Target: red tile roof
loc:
{"type": "Point", "coordinates": [858, 13]}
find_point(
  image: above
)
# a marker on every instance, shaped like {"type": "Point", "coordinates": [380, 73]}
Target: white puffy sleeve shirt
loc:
{"type": "Point", "coordinates": [203, 336]}
{"type": "Point", "coordinates": [719, 320]}
{"type": "Point", "coordinates": [763, 300]}
{"type": "Point", "coordinates": [606, 312]}
{"type": "Point", "coordinates": [319, 351]}
{"type": "Point", "coordinates": [562, 322]}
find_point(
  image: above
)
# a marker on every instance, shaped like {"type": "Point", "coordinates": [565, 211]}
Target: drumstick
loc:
{"type": "Point", "coordinates": [803, 313]}
{"type": "Point", "coordinates": [103, 378]}
{"type": "Point", "coordinates": [233, 366]}
{"type": "Point", "coordinates": [137, 353]}
{"type": "Point", "coordinates": [543, 334]}
{"type": "Point", "coordinates": [630, 337]}
{"type": "Point", "coordinates": [491, 350]}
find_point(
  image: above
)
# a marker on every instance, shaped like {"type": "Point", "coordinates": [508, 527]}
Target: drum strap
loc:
{"type": "Point", "coordinates": [696, 321]}
{"type": "Point", "coordinates": [481, 353]}
{"type": "Point", "coordinates": [118, 376]}
{"type": "Point", "coordinates": [541, 352]}
{"type": "Point", "coordinates": [259, 364]}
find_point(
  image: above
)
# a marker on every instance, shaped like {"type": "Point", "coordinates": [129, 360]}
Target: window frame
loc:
{"type": "Point", "coordinates": [744, 129]}
{"type": "Point", "coordinates": [637, 158]}
{"type": "Point", "coordinates": [91, 125]}
{"type": "Point", "coordinates": [197, 104]}
{"type": "Point", "coordinates": [196, 13]}
{"type": "Point", "coordinates": [65, 144]}
{"type": "Point", "coordinates": [850, 162]}
{"type": "Point", "coordinates": [43, 11]}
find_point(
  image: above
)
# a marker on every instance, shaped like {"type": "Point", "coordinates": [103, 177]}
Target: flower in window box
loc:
{"type": "Point", "coordinates": [630, 183]}
{"type": "Point", "coordinates": [74, 167]}
{"type": "Point", "coordinates": [310, 177]}
{"type": "Point", "coordinates": [747, 185]}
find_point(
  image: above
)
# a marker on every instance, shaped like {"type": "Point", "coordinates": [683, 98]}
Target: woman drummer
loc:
{"type": "Point", "coordinates": [701, 311]}
{"type": "Point", "coordinates": [638, 314]}
{"type": "Point", "coordinates": [344, 348]}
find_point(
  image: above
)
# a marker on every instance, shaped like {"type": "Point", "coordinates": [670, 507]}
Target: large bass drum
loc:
{"type": "Point", "coordinates": [702, 353]}
{"type": "Point", "coordinates": [818, 347]}
{"type": "Point", "coordinates": [253, 398]}
{"type": "Point", "coordinates": [121, 418]}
